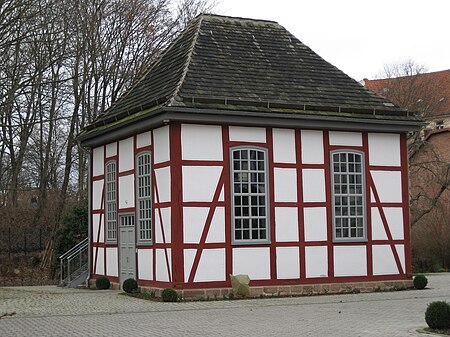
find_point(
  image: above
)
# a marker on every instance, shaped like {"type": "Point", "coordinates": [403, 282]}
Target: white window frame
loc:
{"type": "Point", "coordinates": [111, 202]}
{"type": "Point", "coordinates": [250, 217]}
{"type": "Point", "coordinates": [146, 198]}
{"type": "Point", "coordinates": [357, 207]}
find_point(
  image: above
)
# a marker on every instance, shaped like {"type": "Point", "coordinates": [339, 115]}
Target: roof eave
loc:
{"type": "Point", "coordinates": [165, 115]}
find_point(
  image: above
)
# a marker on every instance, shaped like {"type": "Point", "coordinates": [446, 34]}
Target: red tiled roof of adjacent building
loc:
{"type": "Point", "coordinates": [441, 86]}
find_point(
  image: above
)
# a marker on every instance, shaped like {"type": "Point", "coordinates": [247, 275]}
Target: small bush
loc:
{"type": "Point", "coordinates": [102, 282]}
{"type": "Point", "coordinates": [130, 286]}
{"type": "Point", "coordinates": [437, 315]}
{"type": "Point", "coordinates": [169, 295]}
{"type": "Point", "coordinates": [420, 282]}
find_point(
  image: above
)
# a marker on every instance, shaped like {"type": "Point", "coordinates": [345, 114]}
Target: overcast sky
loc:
{"type": "Point", "coordinates": [360, 36]}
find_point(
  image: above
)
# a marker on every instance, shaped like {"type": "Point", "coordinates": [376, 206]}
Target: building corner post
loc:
{"type": "Point", "coordinates": [177, 206]}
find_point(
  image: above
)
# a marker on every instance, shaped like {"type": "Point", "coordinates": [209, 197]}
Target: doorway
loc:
{"type": "Point", "coordinates": [127, 247]}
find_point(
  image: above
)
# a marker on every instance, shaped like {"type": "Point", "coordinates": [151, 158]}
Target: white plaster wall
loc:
{"type": "Point", "coordinates": [285, 184]}
{"type": "Point", "coordinates": [112, 264]}
{"type": "Point", "coordinates": [314, 185]}
{"type": "Point", "coordinates": [345, 138]}
{"type": "Point", "coordinates": [144, 139]}
{"type": "Point", "coordinates": [111, 149]}
{"type": "Point", "coordinates": [98, 164]}
{"type": "Point", "coordinates": [288, 265]}
{"type": "Point", "coordinates": [162, 274]}
{"type": "Point", "coordinates": [161, 146]}
{"type": "Point", "coordinates": [384, 149]}
{"type": "Point", "coordinates": [286, 224]}
{"type": "Point", "coordinates": [222, 195]}
{"type": "Point", "coordinates": [201, 142]}
{"type": "Point", "coordinates": [211, 266]}
{"type": "Point", "coordinates": [378, 231]}
{"type": "Point", "coordinates": [97, 190]}
{"type": "Point", "coordinates": [401, 255]}
{"type": "Point", "coordinates": [350, 261]}
{"type": "Point", "coordinates": [166, 218]}
{"type": "Point", "coordinates": [312, 147]}
{"type": "Point", "coordinates": [383, 260]}
{"type": "Point", "coordinates": [100, 269]}
{"type": "Point", "coordinates": [247, 134]}
{"type": "Point", "coordinates": [315, 223]}
{"type": "Point", "coordinates": [284, 146]}
{"type": "Point", "coordinates": [189, 256]}
{"type": "Point", "coordinates": [96, 222]}
{"type": "Point", "coordinates": [388, 185]}
{"type": "Point", "coordinates": [217, 229]}
{"type": "Point", "coordinates": [126, 155]}
{"type": "Point", "coordinates": [194, 219]}
{"type": "Point", "coordinates": [316, 260]}
{"type": "Point", "coordinates": [394, 217]}
{"type": "Point", "coordinates": [145, 264]}
{"type": "Point", "coordinates": [126, 191]}
{"type": "Point", "coordinates": [162, 176]}
{"type": "Point", "coordinates": [255, 262]}
{"type": "Point", "coordinates": [200, 182]}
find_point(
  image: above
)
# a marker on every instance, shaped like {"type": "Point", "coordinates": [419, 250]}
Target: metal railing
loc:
{"type": "Point", "coordinates": [74, 263]}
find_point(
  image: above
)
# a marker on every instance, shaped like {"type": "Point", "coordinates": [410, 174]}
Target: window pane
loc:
{"type": "Point", "coordinates": [144, 197]}
{"type": "Point", "coordinates": [249, 194]}
{"type": "Point", "coordinates": [348, 189]}
{"type": "Point", "coordinates": [110, 202]}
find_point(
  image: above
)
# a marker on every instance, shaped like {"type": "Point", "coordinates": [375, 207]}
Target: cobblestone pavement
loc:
{"type": "Point", "coordinates": [50, 311]}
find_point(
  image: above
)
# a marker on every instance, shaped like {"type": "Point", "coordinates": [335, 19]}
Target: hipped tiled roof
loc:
{"type": "Point", "coordinates": [225, 62]}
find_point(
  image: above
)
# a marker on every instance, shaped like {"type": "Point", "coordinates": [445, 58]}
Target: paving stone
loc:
{"type": "Point", "coordinates": [48, 311]}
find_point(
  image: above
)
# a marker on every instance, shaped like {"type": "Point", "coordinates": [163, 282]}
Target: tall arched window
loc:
{"type": "Point", "coordinates": [111, 202]}
{"type": "Point", "coordinates": [144, 197]}
{"type": "Point", "coordinates": [250, 220]}
{"type": "Point", "coordinates": [348, 195]}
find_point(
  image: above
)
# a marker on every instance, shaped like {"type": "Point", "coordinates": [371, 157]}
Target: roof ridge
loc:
{"type": "Point", "coordinates": [171, 100]}
{"type": "Point", "coordinates": [236, 18]}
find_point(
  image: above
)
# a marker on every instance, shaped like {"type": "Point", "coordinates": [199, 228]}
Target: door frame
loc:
{"type": "Point", "coordinates": [119, 246]}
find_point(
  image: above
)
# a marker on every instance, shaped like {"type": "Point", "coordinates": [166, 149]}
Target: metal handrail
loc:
{"type": "Point", "coordinates": [78, 251]}
{"type": "Point", "coordinates": [85, 241]}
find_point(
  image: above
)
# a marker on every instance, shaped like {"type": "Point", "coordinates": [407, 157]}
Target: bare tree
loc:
{"type": "Point", "coordinates": [410, 86]}
{"type": "Point", "coordinates": [429, 179]}
{"type": "Point", "coordinates": [407, 85]}
{"type": "Point", "coordinates": [62, 63]}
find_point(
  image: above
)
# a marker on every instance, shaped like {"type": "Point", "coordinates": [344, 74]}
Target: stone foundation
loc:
{"type": "Point", "coordinates": [283, 290]}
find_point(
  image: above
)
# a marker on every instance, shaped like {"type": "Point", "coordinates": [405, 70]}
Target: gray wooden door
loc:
{"type": "Point", "coordinates": [127, 247]}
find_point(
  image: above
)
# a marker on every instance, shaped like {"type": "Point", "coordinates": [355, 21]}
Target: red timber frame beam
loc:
{"type": "Point", "coordinates": [326, 160]}
{"type": "Point", "coordinates": [405, 198]}
{"type": "Point", "coordinates": [176, 193]}
{"type": "Point", "coordinates": [300, 204]}
{"type": "Point", "coordinates": [365, 142]}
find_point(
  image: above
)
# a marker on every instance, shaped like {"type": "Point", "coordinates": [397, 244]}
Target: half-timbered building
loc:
{"type": "Point", "coordinates": [241, 151]}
